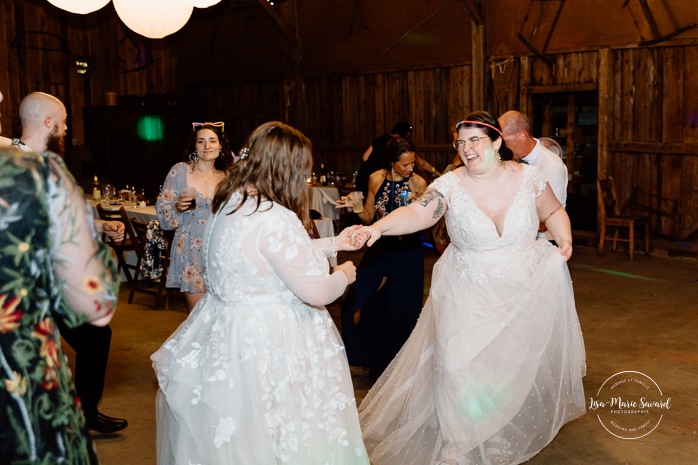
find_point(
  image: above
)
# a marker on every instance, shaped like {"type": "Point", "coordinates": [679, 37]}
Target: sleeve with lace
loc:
{"type": "Point", "coordinates": [84, 272]}
{"type": "Point", "coordinates": [546, 202]}
{"type": "Point", "coordinates": [325, 246]}
{"type": "Point", "coordinates": [289, 250]}
{"type": "Point", "coordinates": [168, 216]}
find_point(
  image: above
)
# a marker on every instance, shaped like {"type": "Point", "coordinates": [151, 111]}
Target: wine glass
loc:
{"type": "Point", "coordinates": [108, 192]}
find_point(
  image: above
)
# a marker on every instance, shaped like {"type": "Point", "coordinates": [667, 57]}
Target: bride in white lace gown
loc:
{"type": "Point", "coordinates": [257, 374]}
{"type": "Point", "coordinates": [494, 367]}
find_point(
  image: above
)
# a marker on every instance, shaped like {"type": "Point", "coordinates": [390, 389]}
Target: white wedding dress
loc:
{"type": "Point", "coordinates": [494, 366]}
{"type": "Point", "coordinates": [257, 374]}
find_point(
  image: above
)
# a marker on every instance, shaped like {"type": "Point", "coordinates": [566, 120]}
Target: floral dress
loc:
{"type": "Point", "coordinates": [51, 267]}
{"type": "Point", "coordinates": [186, 270]}
{"type": "Point", "coordinates": [257, 374]}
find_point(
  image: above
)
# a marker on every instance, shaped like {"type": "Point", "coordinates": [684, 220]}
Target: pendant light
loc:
{"type": "Point", "coordinates": [201, 3]}
{"type": "Point", "coordinates": [153, 18]}
{"type": "Point", "coordinates": [81, 7]}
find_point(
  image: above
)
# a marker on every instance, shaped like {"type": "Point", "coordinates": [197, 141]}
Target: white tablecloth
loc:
{"type": "Point", "coordinates": [144, 214]}
{"type": "Point", "coordinates": [323, 199]}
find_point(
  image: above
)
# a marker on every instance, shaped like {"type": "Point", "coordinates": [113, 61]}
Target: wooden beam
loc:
{"type": "Point", "coordinates": [474, 11]}
{"type": "Point", "coordinates": [279, 22]}
{"type": "Point", "coordinates": [533, 49]}
{"type": "Point", "coordinates": [605, 109]}
{"type": "Point", "coordinates": [670, 14]}
{"type": "Point", "coordinates": [552, 27]}
{"type": "Point", "coordinates": [479, 67]}
{"type": "Point", "coordinates": [650, 19]}
{"type": "Point", "coordinates": [563, 88]}
{"type": "Point", "coordinates": [664, 148]}
{"type": "Point", "coordinates": [671, 35]}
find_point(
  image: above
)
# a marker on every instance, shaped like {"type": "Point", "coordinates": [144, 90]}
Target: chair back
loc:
{"type": "Point", "coordinates": [138, 231]}
{"type": "Point", "coordinates": [108, 215]}
{"type": "Point", "coordinates": [608, 201]}
{"type": "Point", "coordinates": [552, 145]}
{"type": "Point", "coordinates": [116, 215]}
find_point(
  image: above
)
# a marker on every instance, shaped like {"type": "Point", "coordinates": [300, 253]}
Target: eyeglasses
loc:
{"type": "Point", "coordinates": [217, 124]}
{"type": "Point", "coordinates": [473, 142]}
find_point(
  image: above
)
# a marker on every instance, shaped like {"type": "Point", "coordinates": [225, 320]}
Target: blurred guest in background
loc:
{"type": "Point", "coordinates": [516, 132]}
{"type": "Point", "coordinates": [207, 156]}
{"type": "Point", "coordinates": [372, 159]}
{"type": "Point", "coordinates": [390, 278]}
{"type": "Point", "coordinates": [53, 270]}
{"type": "Point", "coordinates": [44, 123]}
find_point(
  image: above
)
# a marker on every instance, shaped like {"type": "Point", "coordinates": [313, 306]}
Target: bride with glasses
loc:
{"type": "Point", "coordinates": [494, 367]}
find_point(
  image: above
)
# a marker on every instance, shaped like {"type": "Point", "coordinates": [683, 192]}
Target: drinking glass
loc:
{"type": "Point", "coordinates": [107, 192]}
{"type": "Point", "coordinates": [357, 201]}
{"type": "Point", "coordinates": [190, 192]}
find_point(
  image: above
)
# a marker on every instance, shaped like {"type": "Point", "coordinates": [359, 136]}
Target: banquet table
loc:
{"type": "Point", "coordinates": [144, 214]}
{"type": "Point", "coordinates": [323, 199]}
{"type": "Point", "coordinates": [325, 226]}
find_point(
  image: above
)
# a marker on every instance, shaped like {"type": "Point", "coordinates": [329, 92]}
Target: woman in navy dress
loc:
{"type": "Point", "coordinates": [390, 278]}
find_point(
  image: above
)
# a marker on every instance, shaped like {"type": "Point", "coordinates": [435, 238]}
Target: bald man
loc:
{"type": "Point", "coordinates": [516, 132]}
{"type": "Point", "coordinates": [44, 123]}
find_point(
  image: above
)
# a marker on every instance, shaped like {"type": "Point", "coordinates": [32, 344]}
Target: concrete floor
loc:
{"type": "Point", "coordinates": [640, 316]}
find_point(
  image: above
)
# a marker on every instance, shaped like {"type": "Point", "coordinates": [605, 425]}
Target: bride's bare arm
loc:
{"type": "Point", "coordinates": [420, 214]}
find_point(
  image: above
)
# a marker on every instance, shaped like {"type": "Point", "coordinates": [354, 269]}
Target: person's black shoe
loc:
{"type": "Point", "coordinates": [104, 424]}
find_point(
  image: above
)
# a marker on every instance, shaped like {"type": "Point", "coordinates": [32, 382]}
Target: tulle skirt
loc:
{"type": "Point", "coordinates": [256, 383]}
{"type": "Point", "coordinates": [491, 372]}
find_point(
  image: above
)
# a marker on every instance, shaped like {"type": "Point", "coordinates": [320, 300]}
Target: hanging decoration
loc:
{"type": "Point", "coordinates": [150, 18]}
{"type": "Point", "coordinates": [154, 18]}
{"type": "Point", "coordinates": [81, 7]}
{"type": "Point", "coordinates": [201, 3]}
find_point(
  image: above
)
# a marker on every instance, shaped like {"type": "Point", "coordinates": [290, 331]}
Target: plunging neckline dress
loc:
{"type": "Point", "coordinates": [494, 367]}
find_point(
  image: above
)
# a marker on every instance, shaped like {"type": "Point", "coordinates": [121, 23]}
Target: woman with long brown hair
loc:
{"type": "Point", "coordinates": [257, 374]}
{"type": "Point", "coordinates": [184, 205]}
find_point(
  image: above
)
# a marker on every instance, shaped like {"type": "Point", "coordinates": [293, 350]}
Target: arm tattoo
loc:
{"type": "Point", "coordinates": [429, 196]}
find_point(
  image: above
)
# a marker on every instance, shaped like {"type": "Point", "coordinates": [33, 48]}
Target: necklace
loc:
{"type": "Point", "coordinates": [206, 181]}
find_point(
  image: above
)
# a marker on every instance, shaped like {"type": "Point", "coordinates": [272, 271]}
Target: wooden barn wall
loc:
{"type": "Point", "coordinates": [38, 52]}
{"type": "Point", "coordinates": [343, 114]}
{"type": "Point", "coordinates": [654, 146]}
{"type": "Point", "coordinates": [653, 122]}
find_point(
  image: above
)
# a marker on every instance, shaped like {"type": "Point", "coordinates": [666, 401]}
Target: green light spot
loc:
{"type": "Point", "coordinates": [622, 274]}
{"type": "Point", "coordinates": [150, 128]}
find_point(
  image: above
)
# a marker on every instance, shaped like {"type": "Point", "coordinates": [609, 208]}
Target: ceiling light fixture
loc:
{"type": "Point", "coordinates": [150, 18]}
{"type": "Point", "coordinates": [81, 7]}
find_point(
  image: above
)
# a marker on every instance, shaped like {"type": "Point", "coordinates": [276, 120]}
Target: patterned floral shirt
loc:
{"type": "Point", "coordinates": [51, 266]}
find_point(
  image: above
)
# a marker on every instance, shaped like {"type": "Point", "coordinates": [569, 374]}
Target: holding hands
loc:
{"type": "Point", "coordinates": [344, 241]}
{"type": "Point", "coordinates": [365, 235]}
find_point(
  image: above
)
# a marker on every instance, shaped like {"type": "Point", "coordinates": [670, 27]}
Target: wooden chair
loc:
{"type": "Point", "coordinates": [611, 217]}
{"type": "Point", "coordinates": [120, 248]}
{"type": "Point", "coordinates": [145, 285]}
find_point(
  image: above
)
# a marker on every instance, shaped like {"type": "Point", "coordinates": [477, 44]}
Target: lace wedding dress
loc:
{"type": "Point", "coordinates": [494, 366]}
{"type": "Point", "coordinates": [257, 374]}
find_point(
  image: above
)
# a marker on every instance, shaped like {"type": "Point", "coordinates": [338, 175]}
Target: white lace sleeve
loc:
{"type": "Point", "coordinates": [539, 182]}
{"type": "Point", "coordinates": [325, 246]}
{"type": "Point", "coordinates": [288, 248]}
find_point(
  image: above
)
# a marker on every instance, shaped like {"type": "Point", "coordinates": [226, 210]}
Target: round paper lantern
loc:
{"type": "Point", "coordinates": [153, 18]}
{"type": "Point", "coordinates": [201, 3]}
{"type": "Point", "coordinates": [81, 7]}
